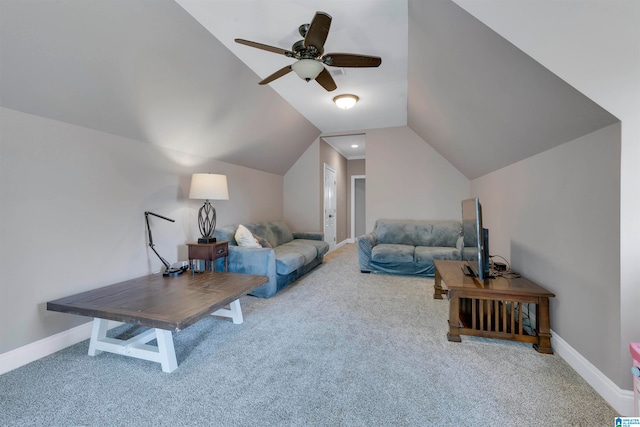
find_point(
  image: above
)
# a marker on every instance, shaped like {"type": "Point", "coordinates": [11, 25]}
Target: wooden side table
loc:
{"type": "Point", "coordinates": [209, 252]}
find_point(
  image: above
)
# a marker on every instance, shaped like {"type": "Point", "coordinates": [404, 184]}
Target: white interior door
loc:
{"type": "Point", "coordinates": [330, 186]}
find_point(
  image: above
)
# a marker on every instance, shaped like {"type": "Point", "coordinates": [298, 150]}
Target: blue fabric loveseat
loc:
{"type": "Point", "coordinates": [286, 256]}
{"type": "Point", "coordinates": [409, 246]}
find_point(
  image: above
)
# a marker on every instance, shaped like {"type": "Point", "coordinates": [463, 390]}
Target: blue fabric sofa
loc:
{"type": "Point", "coordinates": [409, 246]}
{"type": "Point", "coordinates": [291, 255]}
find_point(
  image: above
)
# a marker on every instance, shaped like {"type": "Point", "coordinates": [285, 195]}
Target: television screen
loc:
{"type": "Point", "coordinates": [473, 238]}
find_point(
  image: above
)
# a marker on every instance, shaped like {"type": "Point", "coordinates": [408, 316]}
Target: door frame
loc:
{"type": "Point", "coordinates": [332, 245]}
{"type": "Point", "coordinates": [353, 204]}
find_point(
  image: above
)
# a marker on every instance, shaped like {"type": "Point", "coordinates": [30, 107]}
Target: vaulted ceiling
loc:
{"type": "Point", "coordinates": [168, 73]}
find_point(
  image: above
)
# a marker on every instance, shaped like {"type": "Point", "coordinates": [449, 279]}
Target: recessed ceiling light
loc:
{"type": "Point", "coordinates": [345, 101]}
{"type": "Point", "coordinates": [354, 145]}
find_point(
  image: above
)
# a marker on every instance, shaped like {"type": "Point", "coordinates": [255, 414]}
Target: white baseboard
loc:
{"type": "Point", "coordinates": [339, 245]}
{"type": "Point", "coordinates": [36, 350]}
{"type": "Point", "coordinates": [621, 400]}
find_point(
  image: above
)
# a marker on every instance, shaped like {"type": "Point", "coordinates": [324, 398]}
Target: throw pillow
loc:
{"type": "Point", "coordinates": [245, 238]}
{"type": "Point", "coordinates": [263, 242]}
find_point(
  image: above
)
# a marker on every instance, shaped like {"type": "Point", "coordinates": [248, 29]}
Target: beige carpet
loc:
{"type": "Point", "coordinates": [335, 348]}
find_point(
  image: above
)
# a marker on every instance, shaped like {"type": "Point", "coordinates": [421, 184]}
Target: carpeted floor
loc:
{"type": "Point", "coordinates": [335, 348]}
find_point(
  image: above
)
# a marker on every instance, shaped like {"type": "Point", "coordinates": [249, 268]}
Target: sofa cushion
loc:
{"type": "Point", "coordinates": [426, 254]}
{"type": "Point", "coordinates": [321, 246]}
{"type": "Point", "coordinates": [276, 232]}
{"type": "Point", "coordinates": [308, 252]}
{"type": "Point", "coordinates": [226, 233]}
{"type": "Point", "coordinates": [263, 242]}
{"type": "Point", "coordinates": [418, 232]}
{"type": "Point", "coordinates": [245, 238]}
{"type": "Point", "coordinates": [288, 259]}
{"type": "Point", "coordinates": [390, 252]}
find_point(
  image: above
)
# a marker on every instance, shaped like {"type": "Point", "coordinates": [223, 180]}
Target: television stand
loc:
{"type": "Point", "coordinates": [492, 308]}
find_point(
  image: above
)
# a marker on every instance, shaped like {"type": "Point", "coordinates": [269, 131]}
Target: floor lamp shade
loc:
{"type": "Point", "coordinates": [208, 186]}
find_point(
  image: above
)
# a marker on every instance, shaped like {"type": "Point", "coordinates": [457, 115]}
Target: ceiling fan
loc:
{"type": "Point", "coordinates": [309, 53]}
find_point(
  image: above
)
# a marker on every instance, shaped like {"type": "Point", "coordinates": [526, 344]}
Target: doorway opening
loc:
{"type": "Point", "coordinates": [358, 206]}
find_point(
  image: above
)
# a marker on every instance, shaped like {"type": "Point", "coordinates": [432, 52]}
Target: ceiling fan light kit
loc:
{"type": "Point", "coordinates": [307, 69]}
{"type": "Point", "coordinates": [310, 57]}
{"type": "Point", "coordinates": [346, 101]}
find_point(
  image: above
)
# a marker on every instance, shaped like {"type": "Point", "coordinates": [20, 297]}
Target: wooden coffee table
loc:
{"type": "Point", "coordinates": [164, 304]}
{"type": "Point", "coordinates": [492, 308]}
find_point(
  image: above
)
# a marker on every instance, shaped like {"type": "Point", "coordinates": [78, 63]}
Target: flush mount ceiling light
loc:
{"type": "Point", "coordinates": [345, 101]}
{"type": "Point", "coordinates": [307, 69]}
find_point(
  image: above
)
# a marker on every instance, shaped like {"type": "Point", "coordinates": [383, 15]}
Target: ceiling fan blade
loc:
{"type": "Point", "coordinates": [351, 60]}
{"type": "Point", "coordinates": [318, 31]}
{"type": "Point", "coordinates": [326, 81]}
{"type": "Point", "coordinates": [265, 47]}
{"type": "Point", "coordinates": [281, 72]}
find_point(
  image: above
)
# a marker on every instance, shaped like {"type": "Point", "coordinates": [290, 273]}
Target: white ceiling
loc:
{"type": "Point", "coordinates": [168, 73]}
{"type": "Point", "coordinates": [145, 70]}
{"type": "Point", "coordinates": [477, 99]}
{"type": "Point", "coordinates": [352, 147]}
{"type": "Point", "coordinates": [369, 27]}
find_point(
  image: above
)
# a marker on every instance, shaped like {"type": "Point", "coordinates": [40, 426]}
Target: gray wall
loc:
{"type": "Point", "coordinates": [408, 179]}
{"type": "Point", "coordinates": [556, 218]}
{"type": "Point", "coordinates": [304, 190]}
{"type": "Point", "coordinates": [73, 202]}
{"type": "Point", "coordinates": [603, 65]}
{"type": "Point", "coordinates": [302, 198]}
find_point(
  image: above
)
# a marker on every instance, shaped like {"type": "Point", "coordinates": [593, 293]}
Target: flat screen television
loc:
{"type": "Point", "coordinates": [475, 250]}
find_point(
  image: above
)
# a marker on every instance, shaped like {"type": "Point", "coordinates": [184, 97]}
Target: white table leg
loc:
{"type": "Point", "coordinates": [234, 312]}
{"type": "Point", "coordinates": [98, 333]}
{"type": "Point", "coordinates": [166, 350]}
{"type": "Point", "coordinates": [136, 346]}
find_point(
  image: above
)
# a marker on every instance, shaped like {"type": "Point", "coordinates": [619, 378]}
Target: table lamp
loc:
{"type": "Point", "coordinates": [208, 186]}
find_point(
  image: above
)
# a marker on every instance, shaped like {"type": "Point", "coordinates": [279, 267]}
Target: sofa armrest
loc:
{"type": "Point", "coordinates": [309, 235]}
{"type": "Point", "coordinates": [369, 239]}
{"type": "Point", "coordinates": [366, 243]}
{"type": "Point", "coordinates": [259, 261]}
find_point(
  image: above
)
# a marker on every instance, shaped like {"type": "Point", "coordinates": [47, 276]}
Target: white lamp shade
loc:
{"type": "Point", "coordinates": [209, 186]}
{"type": "Point", "coordinates": [307, 69]}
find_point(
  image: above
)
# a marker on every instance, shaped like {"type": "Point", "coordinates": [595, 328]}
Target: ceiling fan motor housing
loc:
{"type": "Point", "coordinates": [305, 52]}
{"type": "Point", "coordinates": [298, 47]}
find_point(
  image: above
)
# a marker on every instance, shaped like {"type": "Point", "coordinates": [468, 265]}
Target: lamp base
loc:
{"type": "Point", "coordinates": [172, 272]}
{"type": "Point", "coordinates": [207, 240]}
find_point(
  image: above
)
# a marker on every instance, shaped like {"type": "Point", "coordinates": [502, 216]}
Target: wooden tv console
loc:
{"type": "Point", "coordinates": [492, 308]}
